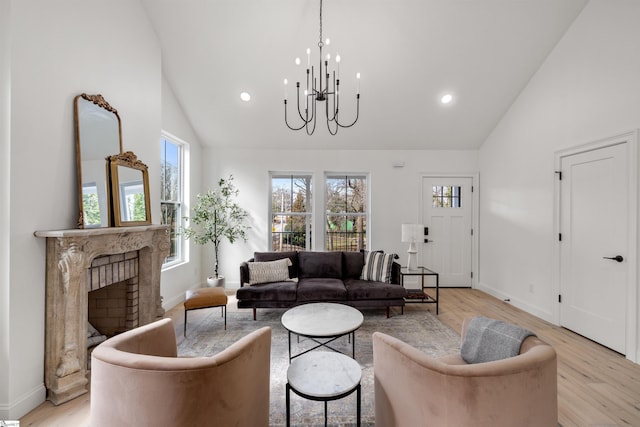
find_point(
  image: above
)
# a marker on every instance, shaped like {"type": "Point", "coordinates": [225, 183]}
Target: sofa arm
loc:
{"type": "Point", "coordinates": [395, 273]}
{"type": "Point", "coordinates": [244, 272]}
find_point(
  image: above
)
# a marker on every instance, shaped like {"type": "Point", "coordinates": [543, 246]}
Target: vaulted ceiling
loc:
{"type": "Point", "coordinates": [409, 53]}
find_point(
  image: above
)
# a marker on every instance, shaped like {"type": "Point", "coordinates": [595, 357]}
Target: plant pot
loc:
{"type": "Point", "coordinates": [214, 282]}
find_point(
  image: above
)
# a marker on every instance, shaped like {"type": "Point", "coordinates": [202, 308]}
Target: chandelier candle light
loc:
{"type": "Point", "coordinates": [410, 233]}
{"type": "Point", "coordinates": [320, 89]}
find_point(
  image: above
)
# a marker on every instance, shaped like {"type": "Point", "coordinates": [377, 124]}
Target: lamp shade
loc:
{"type": "Point", "coordinates": [411, 232]}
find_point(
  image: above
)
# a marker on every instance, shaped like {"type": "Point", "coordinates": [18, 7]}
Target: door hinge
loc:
{"type": "Point", "coordinates": [559, 173]}
{"type": "Point", "coordinates": [560, 237]}
{"type": "Point", "coordinates": [472, 231]}
{"type": "Point", "coordinates": [472, 274]}
{"type": "Point", "coordinates": [559, 298]}
{"type": "Point", "coordinates": [472, 188]}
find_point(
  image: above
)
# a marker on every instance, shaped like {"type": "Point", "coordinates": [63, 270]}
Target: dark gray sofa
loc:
{"type": "Point", "coordinates": [321, 277]}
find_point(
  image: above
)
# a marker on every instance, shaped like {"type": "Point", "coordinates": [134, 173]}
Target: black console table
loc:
{"type": "Point", "coordinates": [420, 295]}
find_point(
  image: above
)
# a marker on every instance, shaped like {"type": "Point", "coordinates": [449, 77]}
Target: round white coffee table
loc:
{"type": "Point", "coordinates": [322, 320]}
{"type": "Point", "coordinates": [323, 376]}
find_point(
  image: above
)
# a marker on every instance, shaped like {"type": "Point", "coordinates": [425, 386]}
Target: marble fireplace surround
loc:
{"type": "Point", "coordinates": [69, 256]}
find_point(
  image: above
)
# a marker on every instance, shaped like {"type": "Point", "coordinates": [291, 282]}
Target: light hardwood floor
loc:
{"type": "Point", "coordinates": [596, 386]}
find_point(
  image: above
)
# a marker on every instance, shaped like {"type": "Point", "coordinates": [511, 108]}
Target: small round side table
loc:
{"type": "Point", "coordinates": [323, 376]}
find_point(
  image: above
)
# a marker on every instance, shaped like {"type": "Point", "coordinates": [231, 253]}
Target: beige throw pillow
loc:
{"type": "Point", "coordinates": [269, 271]}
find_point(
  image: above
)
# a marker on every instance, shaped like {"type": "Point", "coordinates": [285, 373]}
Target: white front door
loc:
{"type": "Point", "coordinates": [447, 211]}
{"type": "Point", "coordinates": [594, 210]}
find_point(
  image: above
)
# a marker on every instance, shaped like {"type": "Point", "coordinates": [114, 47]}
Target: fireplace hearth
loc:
{"type": "Point", "coordinates": [71, 273]}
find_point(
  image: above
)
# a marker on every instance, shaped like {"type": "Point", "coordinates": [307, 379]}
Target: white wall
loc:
{"type": "Point", "coordinates": [59, 50]}
{"type": "Point", "coordinates": [5, 225]}
{"type": "Point", "coordinates": [176, 280]}
{"type": "Point", "coordinates": [588, 88]}
{"type": "Point", "coordinates": [395, 192]}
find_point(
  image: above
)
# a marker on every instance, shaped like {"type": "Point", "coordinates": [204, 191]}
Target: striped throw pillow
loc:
{"type": "Point", "coordinates": [377, 267]}
{"type": "Point", "coordinates": [269, 271]}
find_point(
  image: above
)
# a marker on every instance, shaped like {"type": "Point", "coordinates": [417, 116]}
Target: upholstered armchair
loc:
{"type": "Point", "coordinates": [413, 389]}
{"type": "Point", "coordinates": [138, 380]}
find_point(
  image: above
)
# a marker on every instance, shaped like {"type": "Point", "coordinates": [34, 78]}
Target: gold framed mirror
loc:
{"type": "Point", "coordinates": [98, 136]}
{"type": "Point", "coordinates": [129, 190]}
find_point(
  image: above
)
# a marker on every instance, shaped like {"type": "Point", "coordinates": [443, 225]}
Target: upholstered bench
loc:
{"type": "Point", "coordinates": [205, 298]}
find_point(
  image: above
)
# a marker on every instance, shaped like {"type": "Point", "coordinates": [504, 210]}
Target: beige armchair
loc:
{"type": "Point", "coordinates": [138, 380]}
{"type": "Point", "coordinates": [413, 389]}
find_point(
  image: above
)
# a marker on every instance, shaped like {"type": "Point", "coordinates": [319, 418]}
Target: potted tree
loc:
{"type": "Point", "coordinates": [217, 216]}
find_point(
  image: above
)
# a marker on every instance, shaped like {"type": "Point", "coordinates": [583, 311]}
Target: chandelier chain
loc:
{"type": "Point", "coordinates": [320, 42]}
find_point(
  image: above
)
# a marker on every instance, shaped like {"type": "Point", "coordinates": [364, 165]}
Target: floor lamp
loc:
{"type": "Point", "coordinates": [410, 234]}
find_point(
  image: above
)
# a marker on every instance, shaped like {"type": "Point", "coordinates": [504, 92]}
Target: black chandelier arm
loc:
{"type": "Point", "coordinates": [303, 118]}
{"type": "Point", "coordinates": [285, 119]}
{"type": "Point", "coordinates": [357, 114]}
{"type": "Point", "coordinates": [335, 131]}
{"type": "Point", "coordinates": [313, 118]}
{"type": "Point", "coordinates": [336, 99]}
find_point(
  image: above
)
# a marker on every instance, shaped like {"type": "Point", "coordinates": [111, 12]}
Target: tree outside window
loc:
{"type": "Point", "coordinates": [346, 213]}
{"type": "Point", "coordinates": [291, 213]}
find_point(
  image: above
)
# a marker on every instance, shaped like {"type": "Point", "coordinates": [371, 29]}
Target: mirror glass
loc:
{"type": "Point", "coordinates": [98, 136]}
{"type": "Point", "coordinates": [130, 189]}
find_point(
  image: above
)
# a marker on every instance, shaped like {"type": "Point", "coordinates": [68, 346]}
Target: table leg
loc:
{"type": "Point", "coordinates": [358, 406]}
{"type": "Point", "coordinates": [353, 342]}
{"type": "Point", "coordinates": [325, 413]}
{"type": "Point", "coordinates": [289, 346]}
{"type": "Point", "coordinates": [437, 292]}
{"type": "Point", "coordinates": [288, 400]}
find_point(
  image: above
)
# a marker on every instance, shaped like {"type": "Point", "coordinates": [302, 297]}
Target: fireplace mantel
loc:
{"type": "Point", "coordinates": [69, 255]}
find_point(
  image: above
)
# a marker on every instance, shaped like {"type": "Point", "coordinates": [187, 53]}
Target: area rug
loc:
{"type": "Point", "coordinates": [418, 326]}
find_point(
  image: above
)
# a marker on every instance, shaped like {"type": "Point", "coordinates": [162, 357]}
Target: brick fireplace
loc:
{"type": "Point", "coordinates": [113, 293]}
{"type": "Point", "coordinates": [124, 264]}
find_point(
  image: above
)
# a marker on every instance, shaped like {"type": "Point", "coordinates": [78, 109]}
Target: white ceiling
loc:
{"type": "Point", "coordinates": [409, 52]}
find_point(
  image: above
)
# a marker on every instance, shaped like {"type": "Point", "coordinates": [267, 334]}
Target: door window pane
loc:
{"type": "Point", "coordinates": [446, 197]}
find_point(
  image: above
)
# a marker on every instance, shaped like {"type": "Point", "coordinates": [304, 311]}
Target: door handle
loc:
{"type": "Point", "coordinates": [617, 258]}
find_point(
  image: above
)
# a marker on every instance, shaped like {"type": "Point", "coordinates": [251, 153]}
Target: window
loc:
{"type": "Point", "coordinates": [290, 208]}
{"type": "Point", "coordinates": [132, 201]}
{"type": "Point", "coordinates": [346, 213]}
{"type": "Point", "coordinates": [171, 197]}
{"type": "Point", "coordinates": [446, 197]}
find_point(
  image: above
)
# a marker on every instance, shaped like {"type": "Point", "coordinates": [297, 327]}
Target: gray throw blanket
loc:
{"type": "Point", "coordinates": [489, 339]}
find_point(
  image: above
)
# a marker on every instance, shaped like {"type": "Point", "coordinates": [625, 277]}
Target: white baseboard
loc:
{"type": "Point", "coordinates": [169, 303]}
{"type": "Point", "coordinates": [24, 404]}
{"type": "Point", "coordinates": [521, 304]}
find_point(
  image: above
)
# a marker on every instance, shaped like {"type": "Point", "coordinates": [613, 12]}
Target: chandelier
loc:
{"type": "Point", "coordinates": [323, 87]}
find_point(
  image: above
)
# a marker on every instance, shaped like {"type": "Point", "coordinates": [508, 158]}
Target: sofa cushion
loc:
{"type": "Point", "coordinates": [272, 256]}
{"type": "Point", "coordinates": [377, 267]}
{"type": "Point", "coordinates": [278, 291]}
{"type": "Point", "coordinates": [352, 263]}
{"type": "Point", "coordinates": [321, 289]}
{"type": "Point", "coordinates": [366, 290]}
{"type": "Point", "coordinates": [269, 271]}
{"type": "Point", "coordinates": [320, 264]}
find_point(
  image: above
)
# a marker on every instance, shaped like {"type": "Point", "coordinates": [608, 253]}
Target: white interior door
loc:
{"type": "Point", "coordinates": [447, 212]}
{"type": "Point", "coordinates": [594, 226]}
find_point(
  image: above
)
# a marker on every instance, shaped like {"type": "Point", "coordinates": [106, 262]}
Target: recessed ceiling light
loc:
{"type": "Point", "coordinates": [446, 98]}
{"type": "Point", "coordinates": [245, 96]}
